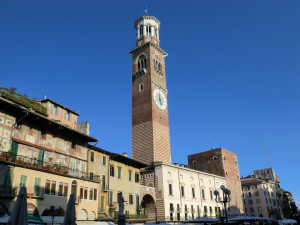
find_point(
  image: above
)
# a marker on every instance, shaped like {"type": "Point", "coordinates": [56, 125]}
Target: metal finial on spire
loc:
{"type": "Point", "coordinates": [146, 10]}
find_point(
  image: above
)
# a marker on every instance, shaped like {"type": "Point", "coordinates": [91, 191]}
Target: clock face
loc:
{"type": "Point", "coordinates": [160, 99]}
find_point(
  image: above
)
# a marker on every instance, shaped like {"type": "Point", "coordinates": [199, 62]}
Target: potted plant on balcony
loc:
{"type": "Point", "coordinates": [10, 155]}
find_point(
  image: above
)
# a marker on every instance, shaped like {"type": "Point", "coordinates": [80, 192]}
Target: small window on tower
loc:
{"type": "Point", "coordinates": [141, 87]}
{"type": "Point", "coordinates": [142, 62]}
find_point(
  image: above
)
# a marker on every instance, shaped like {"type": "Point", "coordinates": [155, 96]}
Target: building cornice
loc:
{"type": "Point", "coordinates": [145, 46]}
{"type": "Point", "coordinates": [187, 169]}
{"type": "Point", "coordinates": [49, 122]}
{"type": "Point", "coordinates": [146, 17]}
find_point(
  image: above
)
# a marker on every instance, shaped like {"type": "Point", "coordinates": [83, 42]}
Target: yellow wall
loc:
{"type": "Point", "coordinates": [42, 203]}
{"type": "Point", "coordinates": [100, 168]}
{"type": "Point", "coordinates": [124, 185]}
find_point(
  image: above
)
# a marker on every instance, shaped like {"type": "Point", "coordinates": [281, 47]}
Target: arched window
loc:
{"type": "Point", "coordinates": [74, 188]}
{"type": "Point", "coordinates": [142, 62]}
{"type": "Point", "coordinates": [157, 66]}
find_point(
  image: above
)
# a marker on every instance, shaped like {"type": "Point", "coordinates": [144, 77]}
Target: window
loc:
{"type": "Point", "coordinates": [67, 115]}
{"type": "Point", "coordinates": [137, 177]}
{"type": "Point", "coordinates": [251, 209]}
{"type": "Point", "coordinates": [85, 193]}
{"type": "Point", "coordinates": [110, 200]}
{"type": "Point", "coordinates": [170, 189]}
{"type": "Point", "coordinates": [205, 210]}
{"type": "Point", "coordinates": [249, 194]}
{"type": "Point", "coordinates": [65, 189]}
{"type": "Point", "coordinates": [37, 186]}
{"type": "Point", "coordinates": [92, 155]}
{"type": "Point", "coordinates": [91, 176]}
{"type": "Point", "coordinates": [258, 201]}
{"type": "Point", "coordinates": [171, 211]}
{"type": "Point", "coordinates": [62, 160]}
{"type": "Point", "coordinates": [256, 193]}
{"type": "Point", "coordinates": [103, 182]}
{"type": "Point", "coordinates": [265, 193]}
{"type": "Point", "coordinates": [141, 87]}
{"type": "Point", "coordinates": [23, 181]}
{"type": "Point", "coordinates": [137, 202]}
{"type": "Point", "coordinates": [47, 187]}
{"type": "Point", "coordinates": [211, 210]}
{"type": "Point", "coordinates": [171, 207]}
{"type": "Point", "coordinates": [157, 66]}
{"type": "Point", "coordinates": [119, 172]}
{"type": "Point", "coordinates": [211, 195]}
{"type": "Point", "coordinates": [54, 110]}
{"type": "Point", "coordinates": [259, 209]}
{"type": "Point", "coordinates": [193, 192]}
{"type": "Point", "coordinates": [95, 194]}
{"type": "Point", "coordinates": [60, 188]}
{"type": "Point", "coordinates": [81, 192]}
{"type": "Point", "coordinates": [91, 193]}
{"type": "Point", "coordinates": [142, 62]}
{"type": "Point", "coordinates": [250, 202]}
{"type": "Point", "coordinates": [111, 170]}
{"type": "Point", "coordinates": [74, 187]}
{"type": "Point", "coordinates": [203, 193]}
{"type": "Point", "coordinates": [182, 191]}
{"type": "Point", "coordinates": [104, 160]}
{"type": "Point", "coordinates": [130, 199]}
{"type": "Point", "coordinates": [129, 175]}
{"type": "Point", "coordinates": [53, 186]}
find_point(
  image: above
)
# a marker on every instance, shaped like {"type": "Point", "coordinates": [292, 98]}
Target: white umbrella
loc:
{"type": "Point", "coordinates": [203, 220]}
{"type": "Point", "coordinates": [19, 213]}
{"type": "Point", "coordinates": [70, 211]}
{"type": "Point", "coordinates": [246, 218]}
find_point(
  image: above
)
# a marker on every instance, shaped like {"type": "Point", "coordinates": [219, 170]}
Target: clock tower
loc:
{"type": "Point", "coordinates": [150, 122]}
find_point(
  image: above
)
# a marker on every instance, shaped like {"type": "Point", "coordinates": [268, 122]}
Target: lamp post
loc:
{"type": "Point", "coordinates": [224, 199]}
{"type": "Point", "coordinates": [53, 210]}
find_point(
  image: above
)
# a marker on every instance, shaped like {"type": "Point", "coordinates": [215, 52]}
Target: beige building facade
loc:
{"type": "Point", "coordinates": [47, 155]}
{"type": "Point", "coordinates": [261, 194]}
{"type": "Point", "coordinates": [124, 176]}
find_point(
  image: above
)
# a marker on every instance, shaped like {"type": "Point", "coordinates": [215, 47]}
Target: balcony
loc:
{"type": "Point", "coordinates": [104, 188]}
{"type": "Point", "coordinates": [46, 166]}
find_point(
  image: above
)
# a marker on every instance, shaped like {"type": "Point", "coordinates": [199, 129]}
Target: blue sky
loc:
{"type": "Point", "coordinates": [232, 72]}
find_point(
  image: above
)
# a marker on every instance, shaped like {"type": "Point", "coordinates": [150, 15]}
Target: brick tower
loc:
{"type": "Point", "coordinates": [150, 122]}
{"type": "Point", "coordinates": [224, 163]}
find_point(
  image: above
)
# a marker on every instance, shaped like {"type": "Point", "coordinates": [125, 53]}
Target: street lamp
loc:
{"type": "Point", "coordinates": [53, 211]}
{"type": "Point", "coordinates": [224, 199]}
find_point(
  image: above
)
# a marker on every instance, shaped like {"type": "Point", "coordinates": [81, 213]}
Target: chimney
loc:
{"type": "Point", "coordinates": [176, 164]}
{"type": "Point", "coordinates": [124, 154]}
{"type": "Point", "coordinates": [182, 165]}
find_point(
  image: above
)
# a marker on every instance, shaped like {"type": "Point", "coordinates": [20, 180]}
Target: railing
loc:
{"type": "Point", "coordinates": [47, 165]}
{"type": "Point", "coordinates": [104, 187]}
{"type": "Point", "coordinates": [147, 189]}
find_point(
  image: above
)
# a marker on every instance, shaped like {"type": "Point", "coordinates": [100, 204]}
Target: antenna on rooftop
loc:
{"type": "Point", "coordinates": [45, 96]}
{"type": "Point", "coordinates": [265, 146]}
{"type": "Point", "coordinates": [146, 10]}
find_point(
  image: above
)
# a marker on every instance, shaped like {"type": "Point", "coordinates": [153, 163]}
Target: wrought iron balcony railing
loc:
{"type": "Point", "coordinates": [47, 166]}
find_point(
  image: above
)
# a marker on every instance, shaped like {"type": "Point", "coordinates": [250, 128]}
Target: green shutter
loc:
{"type": "Point", "coordinates": [37, 186]}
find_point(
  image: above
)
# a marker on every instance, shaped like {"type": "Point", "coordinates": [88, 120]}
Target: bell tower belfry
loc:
{"type": "Point", "coordinates": [150, 121]}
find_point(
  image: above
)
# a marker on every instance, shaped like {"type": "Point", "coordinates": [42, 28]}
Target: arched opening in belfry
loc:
{"type": "Point", "coordinates": [149, 207]}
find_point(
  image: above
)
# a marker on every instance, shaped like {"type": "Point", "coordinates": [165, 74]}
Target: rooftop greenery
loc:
{"type": "Point", "coordinates": [9, 93]}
